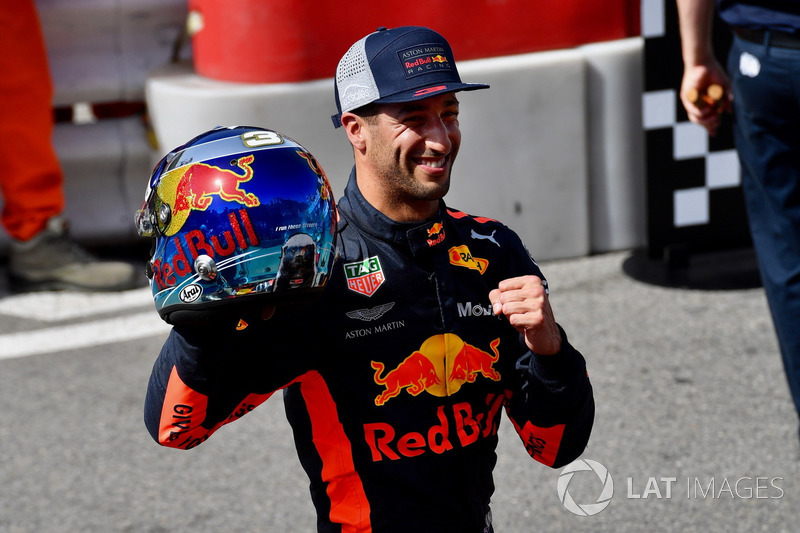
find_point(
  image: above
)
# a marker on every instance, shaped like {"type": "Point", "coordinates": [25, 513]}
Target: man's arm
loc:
{"type": "Point", "coordinates": [553, 408]}
{"type": "Point", "coordinates": [193, 390]}
{"type": "Point", "coordinates": [701, 68]}
{"type": "Point", "coordinates": [208, 376]}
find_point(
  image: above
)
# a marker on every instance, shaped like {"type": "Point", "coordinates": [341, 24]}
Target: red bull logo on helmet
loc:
{"type": "Point", "coordinates": [192, 187]}
{"type": "Point", "coordinates": [317, 169]}
{"type": "Point", "coordinates": [440, 367]}
{"type": "Point", "coordinates": [190, 246]}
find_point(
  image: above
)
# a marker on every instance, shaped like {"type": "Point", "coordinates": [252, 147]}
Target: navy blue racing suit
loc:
{"type": "Point", "coordinates": [394, 380]}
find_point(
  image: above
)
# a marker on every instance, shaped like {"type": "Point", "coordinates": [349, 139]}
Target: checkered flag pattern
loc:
{"type": "Point", "coordinates": [694, 198]}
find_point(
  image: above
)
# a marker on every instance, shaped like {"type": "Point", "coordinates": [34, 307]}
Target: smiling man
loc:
{"type": "Point", "coordinates": [432, 324]}
{"type": "Point", "coordinates": [395, 92]}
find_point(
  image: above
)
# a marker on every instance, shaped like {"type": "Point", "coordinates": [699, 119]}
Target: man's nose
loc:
{"type": "Point", "coordinates": [438, 135]}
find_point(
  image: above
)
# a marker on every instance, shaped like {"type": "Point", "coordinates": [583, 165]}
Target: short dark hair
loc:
{"type": "Point", "coordinates": [368, 112]}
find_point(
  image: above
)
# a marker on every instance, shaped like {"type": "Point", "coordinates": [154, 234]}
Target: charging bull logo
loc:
{"type": "Point", "coordinates": [440, 367]}
{"type": "Point", "coordinates": [325, 187]}
{"type": "Point", "coordinates": [435, 234]}
{"type": "Point", "coordinates": [470, 362]}
{"type": "Point", "coordinates": [435, 229]}
{"type": "Point", "coordinates": [192, 188]}
{"type": "Point", "coordinates": [415, 374]}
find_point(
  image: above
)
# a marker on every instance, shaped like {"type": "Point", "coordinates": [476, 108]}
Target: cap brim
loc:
{"type": "Point", "coordinates": [420, 93]}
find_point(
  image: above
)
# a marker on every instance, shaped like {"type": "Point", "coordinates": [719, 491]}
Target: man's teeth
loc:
{"type": "Point", "coordinates": [435, 164]}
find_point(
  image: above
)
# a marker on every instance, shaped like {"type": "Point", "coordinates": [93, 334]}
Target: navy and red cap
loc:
{"type": "Point", "coordinates": [396, 65]}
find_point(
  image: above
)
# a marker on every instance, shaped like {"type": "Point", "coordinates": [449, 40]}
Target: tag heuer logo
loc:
{"type": "Point", "coordinates": [364, 277]}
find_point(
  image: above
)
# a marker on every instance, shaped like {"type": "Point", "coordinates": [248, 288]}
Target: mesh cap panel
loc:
{"type": "Point", "coordinates": [354, 78]}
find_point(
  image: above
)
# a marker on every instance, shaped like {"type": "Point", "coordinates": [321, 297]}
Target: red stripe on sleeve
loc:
{"type": "Point", "coordinates": [183, 411]}
{"type": "Point", "coordinates": [460, 214]}
{"type": "Point", "coordinates": [541, 443]}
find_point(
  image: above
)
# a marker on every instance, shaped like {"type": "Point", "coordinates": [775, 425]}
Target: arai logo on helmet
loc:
{"type": "Point", "coordinates": [190, 293]}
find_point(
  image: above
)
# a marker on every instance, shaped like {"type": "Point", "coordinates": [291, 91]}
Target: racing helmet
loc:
{"type": "Point", "coordinates": [238, 215]}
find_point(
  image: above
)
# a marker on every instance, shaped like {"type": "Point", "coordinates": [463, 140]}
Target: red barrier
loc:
{"type": "Point", "coordinates": [268, 41]}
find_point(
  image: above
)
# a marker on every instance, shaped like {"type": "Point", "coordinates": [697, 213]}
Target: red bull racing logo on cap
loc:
{"type": "Point", "coordinates": [440, 367]}
{"type": "Point", "coordinates": [424, 59]}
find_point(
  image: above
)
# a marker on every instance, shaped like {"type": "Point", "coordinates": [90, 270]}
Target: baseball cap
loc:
{"type": "Point", "coordinates": [396, 65]}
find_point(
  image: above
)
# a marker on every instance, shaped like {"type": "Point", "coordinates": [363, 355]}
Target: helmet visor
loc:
{"type": "Point", "coordinates": [153, 217]}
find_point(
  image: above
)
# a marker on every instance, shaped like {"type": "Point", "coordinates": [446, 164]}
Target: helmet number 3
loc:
{"type": "Point", "coordinates": [254, 139]}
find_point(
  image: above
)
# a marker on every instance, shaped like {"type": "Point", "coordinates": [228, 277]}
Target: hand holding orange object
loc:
{"type": "Point", "coordinates": [714, 97]}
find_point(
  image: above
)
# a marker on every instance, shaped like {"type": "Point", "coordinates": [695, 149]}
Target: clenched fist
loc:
{"type": "Point", "coordinates": [523, 301]}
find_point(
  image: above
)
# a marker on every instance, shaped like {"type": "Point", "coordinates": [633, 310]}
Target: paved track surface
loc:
{"type": "Point", "coordinates": [694, 421]}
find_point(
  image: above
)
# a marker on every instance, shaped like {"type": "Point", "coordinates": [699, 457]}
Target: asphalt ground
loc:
{"type": "Point", "coordinates": [694, 428]}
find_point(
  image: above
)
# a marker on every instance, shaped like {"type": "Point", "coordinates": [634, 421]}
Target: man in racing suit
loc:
{"type": "Point", "coordinates": [432, 323]}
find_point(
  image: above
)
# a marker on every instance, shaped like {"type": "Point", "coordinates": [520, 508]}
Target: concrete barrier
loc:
{"type": "Point", "coordinates": [617, 176]}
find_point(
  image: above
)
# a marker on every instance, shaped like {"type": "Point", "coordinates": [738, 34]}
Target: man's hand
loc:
{"type": "Point", "coordinates": [700, 66]}
{"type": "Point", "coordinates": [523, 301]}
{"type": "Point", "coordinates": [696, 81]}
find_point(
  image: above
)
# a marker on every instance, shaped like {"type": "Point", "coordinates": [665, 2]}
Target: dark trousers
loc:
{"type": "Point", "coordinates": [766, 87]}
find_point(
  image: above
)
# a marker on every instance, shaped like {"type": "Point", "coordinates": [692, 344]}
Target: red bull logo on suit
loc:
{"type": "Point", "coordinates": [440, 367]}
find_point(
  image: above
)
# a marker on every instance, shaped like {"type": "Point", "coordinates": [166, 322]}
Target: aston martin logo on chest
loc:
{"type": "Point", "coordinates": [367, 315]}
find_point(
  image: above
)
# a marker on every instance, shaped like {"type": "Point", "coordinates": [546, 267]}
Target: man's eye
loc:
{"type": "Point", "coordinates": [413, 119]}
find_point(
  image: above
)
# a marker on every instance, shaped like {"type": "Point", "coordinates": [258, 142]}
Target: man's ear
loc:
{"type": "Point", "coordinates": [355, 128]}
